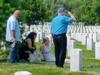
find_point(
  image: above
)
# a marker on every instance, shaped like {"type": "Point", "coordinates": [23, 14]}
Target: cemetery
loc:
{"type": "Point", "coordinates": [83, 56]}
{"type": "Point", "coordinates": [19, 18]}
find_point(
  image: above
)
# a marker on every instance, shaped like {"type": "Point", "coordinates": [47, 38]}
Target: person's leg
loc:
{"type": "Point", "coordinates": [12, 53]}
{"type": "Point", "coordinates": [14, 56]}
{"type": "Point", "coordinates": [57, 50]}
{"type": "Point", "coordinates": [17, 51]}
{"type": "Point", "coordinates": [62, 55]}
{"type": "Point", "coordinates": [23, 53]}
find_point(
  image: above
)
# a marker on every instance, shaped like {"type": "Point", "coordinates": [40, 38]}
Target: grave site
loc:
{"type": "Point", "coordinates": [49, 37]}
{"type": "Point", "coordinates": [83, 53]}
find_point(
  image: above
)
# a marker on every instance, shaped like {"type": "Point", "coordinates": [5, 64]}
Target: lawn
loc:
{"type": "Point", "coordinates": [90, 66]}
{"type": "Point", "coordinates": [39, 69]}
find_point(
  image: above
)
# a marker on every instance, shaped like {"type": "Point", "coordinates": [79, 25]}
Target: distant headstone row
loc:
{"type": "Point", "coordinates": [87, 35]}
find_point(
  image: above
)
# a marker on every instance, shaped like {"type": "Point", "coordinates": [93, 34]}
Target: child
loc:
{"type": "Point", "coordinates": [45, 50]}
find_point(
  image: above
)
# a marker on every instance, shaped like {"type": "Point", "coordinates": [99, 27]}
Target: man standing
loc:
{"type": "Point", "coordinates": [13, 35]}
{"type": "Point", "coordinates": [58, 29]}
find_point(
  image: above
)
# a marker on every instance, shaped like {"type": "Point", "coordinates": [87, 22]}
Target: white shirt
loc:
{"type": "Point", "coordinates": [12, 25]}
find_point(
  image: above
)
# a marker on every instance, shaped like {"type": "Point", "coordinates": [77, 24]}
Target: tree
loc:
{"type": "Point", "coordinates": [86, 11]}
{"type": "Point", "coordinates": [34, 11]}
{"type": "Point", "coordinates": [5, 11]}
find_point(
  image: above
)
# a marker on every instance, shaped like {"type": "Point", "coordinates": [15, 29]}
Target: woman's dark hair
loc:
{"type": "Point", "coordinates": [31, 35]}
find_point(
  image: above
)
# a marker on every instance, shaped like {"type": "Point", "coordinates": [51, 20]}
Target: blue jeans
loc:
{"type": "Point", "coordinates": [60, 42]}
{"type": "Point", "coordinates": [14, 52]}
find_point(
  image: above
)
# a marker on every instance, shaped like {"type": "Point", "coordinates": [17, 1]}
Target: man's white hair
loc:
{"type": "Point", "coordinates": [62, 11]}
{"type": "Point", "coordinates": [17, 12]}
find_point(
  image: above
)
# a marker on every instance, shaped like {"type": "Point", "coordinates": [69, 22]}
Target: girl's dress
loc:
{"type": "Point", "coordinates": [47, 55]}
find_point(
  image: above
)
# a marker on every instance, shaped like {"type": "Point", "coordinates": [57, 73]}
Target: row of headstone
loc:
{"type": "Point", "coordinates": [87, 35]}
{"type": "Point", "coordinates": [41, 30]}
{"type": "Point", "coordinates": [83, 29]}
{"type": "Point", "coordinates": [86, 39]}
{"type": "Point", "coordinates": [74, 54]}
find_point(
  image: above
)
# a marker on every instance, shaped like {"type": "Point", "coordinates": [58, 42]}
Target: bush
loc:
{"type": "Point", "coordinates": [4, 55]}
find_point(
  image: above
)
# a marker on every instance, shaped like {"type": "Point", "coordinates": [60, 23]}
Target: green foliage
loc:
{"type": "Point", "coordinates": [40, 11]}
{"type": "Point", "coordinates": [1, 3]}
{"type": "Point", "coordinates": [4, 55]}
{"type": "Point", "coordinates": [85, 10]}
{"type": "Point", "coordinates": [33, 12]}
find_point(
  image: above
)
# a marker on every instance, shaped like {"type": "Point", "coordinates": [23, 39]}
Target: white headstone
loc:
{"type": "Point", "coordinates": [79, 37]}
{"type": "Point", "coordinates": [22, 73]}
{"type": "Point", "coordinates": [97, 50]}
{"type": "Point", "coordinates": [26, 28]}
{"type": "Point", "coordinates": [32, 28]}
{"type": "Point", "coordinates": [94, 37]}
{"type": "Point", "coordinates": [84, 38]}
{"type": "Point", "coordinates": [76, 60]}
{"type": "Point", "coordinates": [89, 45]}
{"type": "Point", "coordinates": [98, 37]}
{"type": "Point", "coordinates": [50, 39]}
{"type": "Point", "coordinates": [37, 37]}
{"type": "Point", "coordinates": [70, 46]}
{"type": "Point", "coordinates": [3, 47]}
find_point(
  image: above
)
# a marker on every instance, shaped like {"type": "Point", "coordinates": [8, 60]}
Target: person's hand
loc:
{"type": "Point", "coordinates": [13, 35]}
{"type": "Point", "coordinates": [33, 47]}
{"type": "Point", "coordinates": [14, 40]}
{"type": "Point", "coordinates": [71, 15]}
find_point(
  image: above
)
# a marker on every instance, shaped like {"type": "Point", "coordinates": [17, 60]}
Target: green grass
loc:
{"type": "Point", "coordinates": [89, 62]}
{"type": "Point", "coordinates": [90, 65]}
{"type": "Point", "coordinates": [37, 69]}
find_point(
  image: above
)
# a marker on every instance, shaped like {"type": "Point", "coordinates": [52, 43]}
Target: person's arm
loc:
{"type": "Point", "coordinates": [71, 15]}
{"type": "Point", "coordinates": [13, 28]}
{"type": "Point", "coordinates": [13, 35]}
{"type": "Point", "coordinates": [42, 48]}
{"type": "Point", "coordinates": [29, 42]}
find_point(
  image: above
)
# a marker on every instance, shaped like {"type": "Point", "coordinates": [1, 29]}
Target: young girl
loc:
{"type": "Point", "coordinates": [45, 50]}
